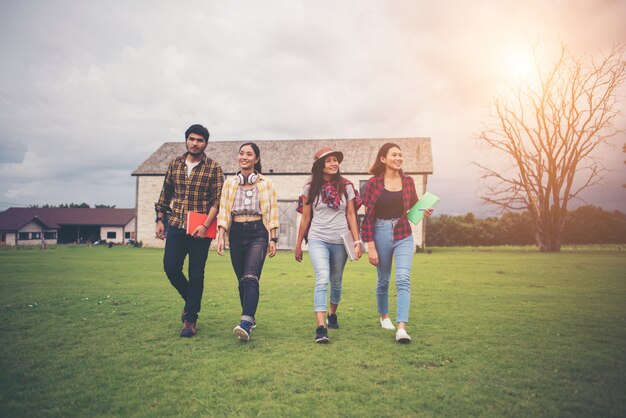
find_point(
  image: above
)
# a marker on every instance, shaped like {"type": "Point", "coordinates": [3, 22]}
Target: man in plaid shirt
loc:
{"type": "Point", "coordinates": [193, 182]}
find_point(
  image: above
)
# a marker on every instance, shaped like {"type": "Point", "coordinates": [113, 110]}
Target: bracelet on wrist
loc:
{"type": "Point", "coordinates": [358, 242]}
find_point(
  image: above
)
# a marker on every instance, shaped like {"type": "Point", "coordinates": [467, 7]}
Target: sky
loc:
{"type": "Point", "coordinates": [89, 89]}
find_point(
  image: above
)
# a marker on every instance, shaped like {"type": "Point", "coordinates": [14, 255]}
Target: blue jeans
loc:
{"type": "Point", "coordinates": [248, 246]}
{"type": "Point", "coordinates": [402, 251]}
{"type": "Point", "coordinates": [177, 246]}
{"type": "Point", "coordinates": [328, 262]}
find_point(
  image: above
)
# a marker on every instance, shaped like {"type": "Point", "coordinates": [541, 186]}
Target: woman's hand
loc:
{"type": "Point", "coordinates": [372, 254]}
{"type": "Point", "coordinates": [358, 250]}
{"type": "Point", "coordinates": [220, 244]}
{"type": "Point", "coordinates": [272, 251]}
{"type": "Point", "coordinates": [298, 253]}
{"type": "Point", "coordinates": [428, 212]}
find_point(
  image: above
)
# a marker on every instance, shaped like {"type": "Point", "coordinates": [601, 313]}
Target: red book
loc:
{"type": "Point", "coordinates": [195, 219]}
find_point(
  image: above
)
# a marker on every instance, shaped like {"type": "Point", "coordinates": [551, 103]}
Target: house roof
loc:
{"type": "Point", "coordinates": [13, 219]}
{"type": "Point", "coordinates": [296, 156]}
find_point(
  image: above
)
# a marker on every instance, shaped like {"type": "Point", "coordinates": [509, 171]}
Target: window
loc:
{"type": "Point", "coordinates": [22, 235]}
{"type": "Point", "coordinates": [126, 235]}
{"type": "Point", "coordinates": [111, 235]}
{"type": "Point", "coordinates": [50, 235]}
{"type": "Point", "coordinates": [35, 235]}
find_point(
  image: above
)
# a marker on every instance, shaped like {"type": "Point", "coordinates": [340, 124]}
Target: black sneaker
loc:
{"type": "Point", "coordinates": [321, 335]}
{"type": "Point", "coordinates": [332, 321]}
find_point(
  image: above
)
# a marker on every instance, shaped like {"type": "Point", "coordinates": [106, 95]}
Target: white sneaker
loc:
{"type": "Point", "coordinates": [402, 337]}
{"type": "Point", "coordinates": [386, 323]}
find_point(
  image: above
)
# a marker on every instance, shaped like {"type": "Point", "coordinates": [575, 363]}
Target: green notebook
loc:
{"type": "Point", "coordinates": [427, 201]}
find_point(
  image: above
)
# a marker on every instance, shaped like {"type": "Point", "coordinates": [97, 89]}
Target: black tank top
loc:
{"type": "Point", "coordinates": [389, 205]}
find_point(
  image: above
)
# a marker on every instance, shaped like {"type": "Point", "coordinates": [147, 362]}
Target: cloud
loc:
{"type": "Point", "coordinates": [89, 90]}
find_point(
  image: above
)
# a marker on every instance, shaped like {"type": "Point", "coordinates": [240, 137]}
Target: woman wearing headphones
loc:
{"type": "Point", "coordinates": [249, 217]}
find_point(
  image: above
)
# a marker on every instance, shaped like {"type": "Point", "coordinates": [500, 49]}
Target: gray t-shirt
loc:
{"type": "Point", "coordinates": [329, 224]}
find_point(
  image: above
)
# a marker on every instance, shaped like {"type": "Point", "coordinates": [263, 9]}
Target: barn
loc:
{"type": "Point", "coordinates": [288, 164]}
{"type": "Point", "coordinates": [35, 226]}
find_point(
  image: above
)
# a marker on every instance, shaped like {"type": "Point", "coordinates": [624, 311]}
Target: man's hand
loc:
{"type": "Point", "coordinates": [199, 232]}
{"type": "Point", "coordinates": [160, 230]}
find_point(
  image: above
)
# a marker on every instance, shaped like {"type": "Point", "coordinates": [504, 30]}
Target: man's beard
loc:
{"type": "Point", "coordinates": [195, 154]}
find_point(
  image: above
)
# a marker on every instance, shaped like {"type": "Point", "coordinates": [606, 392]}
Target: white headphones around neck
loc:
{"type": "Point", "coordinates": [249, 179]}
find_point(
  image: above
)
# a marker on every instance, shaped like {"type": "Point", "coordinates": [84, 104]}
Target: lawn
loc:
{"type": "Point", "coordinates": [93, 331]}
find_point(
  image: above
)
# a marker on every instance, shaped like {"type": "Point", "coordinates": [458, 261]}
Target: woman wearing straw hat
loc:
{"type": "Point", "coordinates": [329, 205]}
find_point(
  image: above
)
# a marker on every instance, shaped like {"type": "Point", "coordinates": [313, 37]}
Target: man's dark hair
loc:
{"type": "Point", "coordinates": [198, 130]}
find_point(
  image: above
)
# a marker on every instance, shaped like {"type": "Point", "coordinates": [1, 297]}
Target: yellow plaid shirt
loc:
{"type": "Point", "coordinates": [196, 193]}
{"type": "Point", "coordinates": [267, 200]}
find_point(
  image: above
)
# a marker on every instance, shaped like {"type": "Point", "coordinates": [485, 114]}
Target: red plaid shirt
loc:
{"type": "Point", "coordinates": [373, 190]}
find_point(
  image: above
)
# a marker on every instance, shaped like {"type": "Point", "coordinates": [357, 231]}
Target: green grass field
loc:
{"type": "Point", "coordinates": [496, 332]}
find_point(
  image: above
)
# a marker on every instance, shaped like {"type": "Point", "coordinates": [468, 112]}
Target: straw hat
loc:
{"type": "Point", "coordinates": [324, 152]}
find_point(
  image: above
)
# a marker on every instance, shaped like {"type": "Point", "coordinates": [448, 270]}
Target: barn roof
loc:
{"type": "Point", "coordinates": [13, 219]}
{"type": "Point", "coordinates": [296, 156]}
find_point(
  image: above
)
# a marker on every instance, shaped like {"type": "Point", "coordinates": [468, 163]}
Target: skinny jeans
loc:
{"type": "Point", "coordinates": [178, 245]}
{"type": "Point", "coordinates": [389, 249]}
{"type": "Point", "coordinates": [248, 247]}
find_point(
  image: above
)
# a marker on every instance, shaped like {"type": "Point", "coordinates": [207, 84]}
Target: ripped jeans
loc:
{"type": "Point", "coordinates": [248, 247]}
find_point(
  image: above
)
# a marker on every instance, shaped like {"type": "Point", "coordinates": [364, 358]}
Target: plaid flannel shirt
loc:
{"type": "Point", "coordinates": [197, 193]}
{"type": "Point", "coordinates": [267, 201]}
{"type": "Point", "coordinates": [373, 190]}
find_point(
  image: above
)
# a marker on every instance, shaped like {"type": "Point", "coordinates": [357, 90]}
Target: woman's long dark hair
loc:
{"type": "Point", "coordinates": [317, 181]}
{"type": "Point", "coordinates": [257, 153]}
{"type": "Point", "coordinates": [378, 168]}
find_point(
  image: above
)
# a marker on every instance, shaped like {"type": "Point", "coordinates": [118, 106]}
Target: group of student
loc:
{"type": "Point", "coordinates": [246, 209]}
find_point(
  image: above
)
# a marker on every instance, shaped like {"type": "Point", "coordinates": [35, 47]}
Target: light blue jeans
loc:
{"type": "Point", "coordinates": [328, 262]}
{"type": "Point", "coordinates": [402, 251]}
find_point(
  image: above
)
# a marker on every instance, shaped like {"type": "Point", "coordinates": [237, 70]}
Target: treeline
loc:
{"type": "Point", "coordinates": [71, 206]}
{"type": "Point", "coordinates": [584, 225]}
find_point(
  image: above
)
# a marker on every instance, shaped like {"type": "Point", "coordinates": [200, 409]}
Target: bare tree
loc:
{"type": "Point", "coordinates": [548, 132]}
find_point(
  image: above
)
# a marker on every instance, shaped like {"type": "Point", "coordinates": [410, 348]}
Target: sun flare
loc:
{"type": "Point", "coordinates": [520, 65]}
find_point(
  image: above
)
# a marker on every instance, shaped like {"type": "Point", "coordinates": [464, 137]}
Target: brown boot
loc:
{"type": "Point", "coordinates": [189, 329]}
